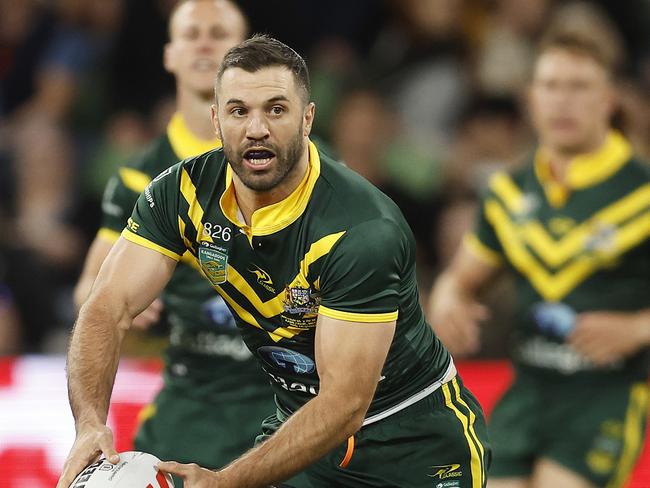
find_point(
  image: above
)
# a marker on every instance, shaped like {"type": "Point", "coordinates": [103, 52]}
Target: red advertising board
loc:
{"type": "Point", "coordinates": [36, 428]}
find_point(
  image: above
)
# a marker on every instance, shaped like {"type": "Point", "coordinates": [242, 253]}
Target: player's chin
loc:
{"type": "Point", "coordinates": [260, 181]}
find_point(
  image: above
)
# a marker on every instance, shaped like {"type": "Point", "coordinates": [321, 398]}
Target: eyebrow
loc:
{"type": "Point", "coordinates": [278, 98]}
{"type": "Point", "coordinates": [236, 101]}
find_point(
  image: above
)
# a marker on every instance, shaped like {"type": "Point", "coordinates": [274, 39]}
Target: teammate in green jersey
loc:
{"type": "Point", "coordinates": [318, 268]}
{"type": "Point", "coordinates": [573, 226]}
{"type": "Point", "coordinates": [214, 397]}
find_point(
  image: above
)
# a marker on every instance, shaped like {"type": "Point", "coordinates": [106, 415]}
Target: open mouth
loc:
{"type": "Point", "coordinates": [258, 157]}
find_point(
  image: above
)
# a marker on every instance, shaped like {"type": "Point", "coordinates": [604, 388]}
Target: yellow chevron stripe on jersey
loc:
{"type": "Point", "coordinates": [184, 143]}
{"type": "Point", "coordinates": [267, 309]}
{"type": "Point", "coordinates": [243, 314]}
{"type": "Point", "coordinates": [275, 305]}
{"type": "Point", "coordinates": [133, 179]}
{"type": "Point", "coordinates": [556, 252]}
{"type": "Point", "coordinates": [370, 318]}
{"type": "Point", "coordinates": [181, 228]}
{"type": "Point", "coordinates": [481, 251]}
{"type": "Point", "coordinates": [475, 463]}
{"type": "Point", "coordinates": [108, 234]}
{"type": "Point", "coordinates": [506, 189]}
{"type": "Point", "coordinates": [136, 239]}
{"type": "Point", "coordinates": [555, 286]}
{"type": "Point", "coordinates": [195, 212]}
{"type": "Point", "coordinates": [637, 410]}
{"type": "Point", "coordinates": [316, 251]}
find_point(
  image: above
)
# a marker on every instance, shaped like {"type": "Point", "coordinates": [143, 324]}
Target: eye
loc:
{"type": "Point", "coordinates": [191, 33]}
{"type": "Point", "coordinates": [217, 32]}
{"type": "Point", "coordinates": [277, 110]}
{"type": "Point", "coordinates": [238, 111]}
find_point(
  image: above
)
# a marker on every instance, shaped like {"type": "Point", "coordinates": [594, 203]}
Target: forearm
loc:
{"type": "Point", "coordinates": [92, 359]}
{"type": "Point", "coordinates": [642, 318]}
{"type": "Point", "coordinates": [82, 290]}
{"type": "Point", "coordinates": [97, 253]}
{"type": "Point", "coordinates": [313, 431]}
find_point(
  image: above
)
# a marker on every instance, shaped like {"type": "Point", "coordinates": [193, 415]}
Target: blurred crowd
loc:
{"type": "Point", "coordinates": [425, 98]}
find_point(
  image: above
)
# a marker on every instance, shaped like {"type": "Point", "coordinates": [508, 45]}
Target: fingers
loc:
{"type": "Point", "coordinates": [182, 470]}
{"type": "Point", "coordinates": [87, 448]}
{"type": "Point", "coordinates": [460, 336]}
{"type": "Point", "coordinates": [74, 465]}
{"type": "Point", "coordinates": [106, 445]}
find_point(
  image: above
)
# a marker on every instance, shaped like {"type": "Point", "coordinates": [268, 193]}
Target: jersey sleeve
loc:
{"type": "Point", "coordinates": [120, 195]}
{"type": "Point", "coordinates": [483, 241]}
{"type": "Point", "coordinates": [154, 221]}
{"type": "Point", "coordinates": [360, 280]}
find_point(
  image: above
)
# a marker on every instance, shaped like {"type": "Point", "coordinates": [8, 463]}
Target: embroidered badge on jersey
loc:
{"type": "Point", "coordinates": [300, 307]}
{"type": "Point", "coordinates": [214, 262]}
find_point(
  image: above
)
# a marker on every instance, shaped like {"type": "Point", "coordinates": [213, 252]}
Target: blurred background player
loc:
{"type": "Point", "coordinates": [214, 396]}
{"type": "Point", "coordinates": [573, 227]}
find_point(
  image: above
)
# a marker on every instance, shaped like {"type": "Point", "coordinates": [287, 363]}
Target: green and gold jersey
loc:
{"type": "Point", "coordinates": [206, 357]}
{"type": "Point", "coordinates": [336, 246]}
{"type": "Point", "coordinates": [577, 249]}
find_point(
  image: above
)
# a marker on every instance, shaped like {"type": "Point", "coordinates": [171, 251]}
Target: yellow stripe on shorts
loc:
{"type": "Point", "coordinates": [472, 432]}
{"type": "Point", "coordinates": [475, 464]}
{"type": "Point", "coordinates": [637, 410]}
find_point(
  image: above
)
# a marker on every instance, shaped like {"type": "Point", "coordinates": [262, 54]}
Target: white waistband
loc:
{"type": "Point", "coordinates": [449, 375]}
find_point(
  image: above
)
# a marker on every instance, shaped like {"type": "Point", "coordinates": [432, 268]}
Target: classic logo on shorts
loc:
{"type": "Point", "coordinates": [214, 262]}
{"type": "Point", "coordinates": [287, 359]}
{"type": "Point", "coordinates": [445, 471]}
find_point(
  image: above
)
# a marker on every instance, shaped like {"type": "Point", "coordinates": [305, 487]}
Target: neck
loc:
{"type": "Point", "coordinates": [250, 200]}
{"type": "Point", "coordinates": [195, 110]}
{"type": "Point", "coordinates": [561, 157]}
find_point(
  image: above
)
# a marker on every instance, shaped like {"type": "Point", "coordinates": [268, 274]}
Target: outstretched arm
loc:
{"type": "Point", "coordinates": [129, 279]}
{"type": "Point", "coordinates": [454, 309]}
{"type": "Point", "coordinates": [336, 413]}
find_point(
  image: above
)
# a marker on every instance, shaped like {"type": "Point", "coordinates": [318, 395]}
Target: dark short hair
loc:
{"type": "Point", "coordinates": [580, 43]}
{"type": "Point", "coordinates": [262, 51]}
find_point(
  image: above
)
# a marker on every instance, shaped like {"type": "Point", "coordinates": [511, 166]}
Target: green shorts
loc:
{"type": "Point", "coordinates": [593, 428]}
{"type": "Point", "coordinates": [438, 442]}
{"type": "Point", "coordinates": [210, 433]}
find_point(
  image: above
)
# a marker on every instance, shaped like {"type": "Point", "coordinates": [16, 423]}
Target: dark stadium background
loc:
{"type": "Point", "coordinates": [422, 97]}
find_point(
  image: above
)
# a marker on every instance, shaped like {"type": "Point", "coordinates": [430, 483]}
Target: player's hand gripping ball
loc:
{"type": "Point", "coordinates": [135, 470]}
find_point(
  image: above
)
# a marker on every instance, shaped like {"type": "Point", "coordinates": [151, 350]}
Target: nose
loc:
{"type": "Point", "coordinates": [257, 128]}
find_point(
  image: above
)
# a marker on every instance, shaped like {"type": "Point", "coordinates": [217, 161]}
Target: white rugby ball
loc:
{"type": "Point", "coordinates": [135, 470]}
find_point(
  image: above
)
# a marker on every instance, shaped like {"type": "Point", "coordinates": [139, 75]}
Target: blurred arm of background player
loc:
{"type": "Point", "coordinates": [97, 253]}
{"type": "Point", "coordinates": [129, 279]}
{"type": "Point", "coordinates": [598, 336]}
{"type": "Point", "coordinates": [454, 309]}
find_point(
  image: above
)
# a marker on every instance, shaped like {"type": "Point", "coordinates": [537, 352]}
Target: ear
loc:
{"type": "Point", "coordinates": [168, 57]}
{"type": "Point", "coordinates": [310, 112]}
{"type": "Point", "coordinates": [613, 100]}
{"type": "Point", "coordinates": [215, 120]}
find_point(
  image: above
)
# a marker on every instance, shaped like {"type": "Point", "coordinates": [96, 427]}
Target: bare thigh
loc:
{"type": "Point", "coordinates": [549, 474]}
{"type": "Point", "coordinates": [508, 483]}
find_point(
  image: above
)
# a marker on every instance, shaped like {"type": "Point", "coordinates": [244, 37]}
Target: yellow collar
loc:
{"type": "Point", "coordinates": [271, 219]}
{"type": "Point", "coordinates": [184, 143]}
{"type": "Point", "coordinates": [584, 170]}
